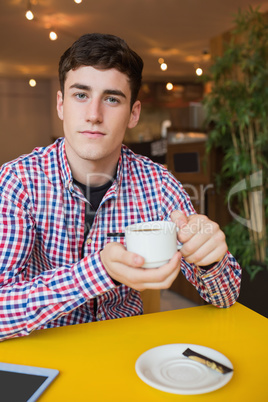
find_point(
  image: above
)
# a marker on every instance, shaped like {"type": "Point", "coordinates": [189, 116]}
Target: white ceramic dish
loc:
{"type": "Point", "coordinates": [165, 368]}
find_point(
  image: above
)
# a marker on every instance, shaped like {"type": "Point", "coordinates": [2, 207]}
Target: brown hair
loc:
{"type": "Point", "coordinates": [103, 51]}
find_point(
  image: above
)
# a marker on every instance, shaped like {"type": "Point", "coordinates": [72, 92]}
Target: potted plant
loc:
{"type": "Point", "coordinates": [237, 114]}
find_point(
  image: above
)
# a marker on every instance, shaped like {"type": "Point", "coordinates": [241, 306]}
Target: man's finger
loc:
{"type": "Point", "coordinates": [118, 253]}
{"type": "Point", "coordinates": [179, 218]}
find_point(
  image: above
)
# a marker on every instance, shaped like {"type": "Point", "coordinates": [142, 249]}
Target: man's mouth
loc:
{"type": "Point", "coordinates": [92, 134]}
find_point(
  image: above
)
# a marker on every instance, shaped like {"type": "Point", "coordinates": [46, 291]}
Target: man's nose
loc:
{"type": "Point", "coordinates": [94, 111]}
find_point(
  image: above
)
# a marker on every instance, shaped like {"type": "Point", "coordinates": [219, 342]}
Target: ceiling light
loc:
{"type": "Point", "coordinates": [169, 86]}
{"type": "Point", "coordinates": [78, 1]}
{"type": "Point", "coordinates": [29, 15]}
{"type": "Point", "coordinates": [32, 82]}
{"type": "Point", "coordinates": [53, 35]}
{"type": "Point", "coordinates": [199, 71]}
{"type": "Point", "coordinates": [163, 66]}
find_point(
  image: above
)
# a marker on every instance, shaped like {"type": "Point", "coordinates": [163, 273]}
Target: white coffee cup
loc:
{"type": "Point", "coordinates": [155, 241]}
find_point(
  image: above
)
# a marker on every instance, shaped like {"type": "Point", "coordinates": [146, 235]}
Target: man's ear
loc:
{"type": "Point", "coordinates": [60, 104]}
{"type": "Point", "coordinates": [135, 114]}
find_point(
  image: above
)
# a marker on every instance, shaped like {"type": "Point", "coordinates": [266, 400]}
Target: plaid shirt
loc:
{"type": "Point", "coordinates": [49, 276]}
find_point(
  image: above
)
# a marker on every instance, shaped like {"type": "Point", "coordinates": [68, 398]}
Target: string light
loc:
{"type": "Point", "coordinates": [163, 66]}
{"type": "Point", "coordinates": [53, 35]}
{"type": "Point", "coordinates": [169, 86]}
{"type": "Point", "coordinates": [199, 71]}
{"type": "Point", "coordinates": [29, 14]}
{"type": "Point", "coordinates": [32, 82]}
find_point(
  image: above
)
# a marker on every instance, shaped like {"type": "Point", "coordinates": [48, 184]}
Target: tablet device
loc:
{"type": "Point", "coordinates": [23, 383]}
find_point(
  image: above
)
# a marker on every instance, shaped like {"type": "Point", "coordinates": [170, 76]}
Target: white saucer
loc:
{"type": "Point", "coordinates": [165, 368]}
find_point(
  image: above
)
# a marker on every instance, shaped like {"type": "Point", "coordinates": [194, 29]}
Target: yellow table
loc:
{"type": "Point", "coordinates": [97, 360]}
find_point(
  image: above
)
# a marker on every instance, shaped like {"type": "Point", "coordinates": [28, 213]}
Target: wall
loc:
{"type": "Point", "coordinates": [26, 116]}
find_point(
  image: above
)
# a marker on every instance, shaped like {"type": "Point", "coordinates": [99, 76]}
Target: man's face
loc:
{"type": "Point", "coordinates": [95, 113]}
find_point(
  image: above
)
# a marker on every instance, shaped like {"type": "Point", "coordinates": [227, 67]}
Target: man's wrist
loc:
{"type": "Point", "coordinates": [207, 267]}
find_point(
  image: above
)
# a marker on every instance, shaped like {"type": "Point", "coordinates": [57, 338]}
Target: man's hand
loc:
{"type": "Point", "coordinates": [203, 240]}
{"type": "Point", "coordinates": [125, 267]}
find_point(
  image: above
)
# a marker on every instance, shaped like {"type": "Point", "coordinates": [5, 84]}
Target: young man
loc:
{"type": "Point", "coordinates": [57, 264]}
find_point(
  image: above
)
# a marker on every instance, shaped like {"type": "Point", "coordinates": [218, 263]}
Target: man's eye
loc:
{"type": "Point", "coordinates": [112, 99]}
{"type": "Point", "coordinates": [80, 96]}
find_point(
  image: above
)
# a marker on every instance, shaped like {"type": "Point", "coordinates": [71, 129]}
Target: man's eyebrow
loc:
{"type": "Point", "coordinates": [114, 92]}
{"type": "Point", "coordinates": [81, 86]}
{"type": "Point", "coordinates": [105, 92]}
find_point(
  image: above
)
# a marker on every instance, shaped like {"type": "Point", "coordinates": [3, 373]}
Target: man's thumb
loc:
{"type": "Point", "coordinates": [179, 218]}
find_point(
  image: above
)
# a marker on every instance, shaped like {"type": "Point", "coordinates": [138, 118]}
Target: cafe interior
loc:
{"type": "Point", "coordinates": [178, 41]}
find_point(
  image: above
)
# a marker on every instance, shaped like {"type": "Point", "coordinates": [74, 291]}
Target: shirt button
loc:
{"type": "Point", "coordinates": [99, 316]}
{"type": "Point", "coordinates": [89, 241]}
{"type": "Point", "coordinates": [71, 188]}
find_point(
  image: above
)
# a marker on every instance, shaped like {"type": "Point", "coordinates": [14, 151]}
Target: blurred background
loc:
{"type": "Point", "coordinates": [173, 37]}
{"type": "Point", "coordinates": [177, 40]}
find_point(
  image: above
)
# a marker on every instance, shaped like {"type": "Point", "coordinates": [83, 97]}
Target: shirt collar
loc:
{"type": "Point", "coordinates": [66, 172]}
{"type": "Point", "coordinates": [65, 169]}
